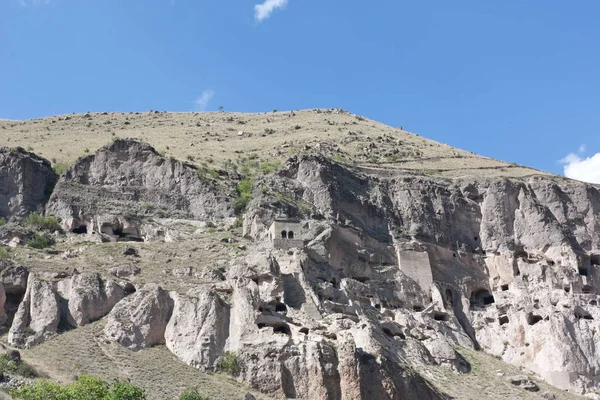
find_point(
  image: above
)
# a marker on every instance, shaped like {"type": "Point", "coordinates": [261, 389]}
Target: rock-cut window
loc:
{"type": "Point", "coordinates": [283, 234]}
{"type": "Point", "coordinates": [290, 235]}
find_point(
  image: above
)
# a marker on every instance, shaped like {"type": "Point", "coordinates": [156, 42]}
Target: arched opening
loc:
{"type": "Point", "coordinates": [290, 235]}
{"type": "Point", "coordinates": [481, 298]}
{"type": "Point", "coordinates": [283, 234]}
{"type": "Point", "coordinates": [304, 330]}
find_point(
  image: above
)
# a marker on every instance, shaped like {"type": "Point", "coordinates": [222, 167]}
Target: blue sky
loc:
{"type": "Point", "coordinates": [515, 80]}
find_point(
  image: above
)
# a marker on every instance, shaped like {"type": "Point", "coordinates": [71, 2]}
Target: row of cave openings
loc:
{"type": "Point", "coordinates": [110, 230]}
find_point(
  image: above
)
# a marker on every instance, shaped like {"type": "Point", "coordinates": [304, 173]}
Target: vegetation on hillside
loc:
{"type": "Point", "coordinates": [86, 387]}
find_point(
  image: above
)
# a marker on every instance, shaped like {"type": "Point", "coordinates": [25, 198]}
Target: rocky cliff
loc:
{"type": "Point", "coordinates": [26, 182]}
{"type": "Point", "coordinates": [345, 281]}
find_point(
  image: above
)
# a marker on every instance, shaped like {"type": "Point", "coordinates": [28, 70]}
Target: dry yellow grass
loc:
{"type": "Point", "coordinates": [213, 138]}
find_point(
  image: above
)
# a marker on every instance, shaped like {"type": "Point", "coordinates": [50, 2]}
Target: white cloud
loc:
{"type": "Point", "coordinates": [265, 9]}
{"type": "Point", "coordinates": [205, 97]}
{"type": "Point", "coordinates": [584, 169]}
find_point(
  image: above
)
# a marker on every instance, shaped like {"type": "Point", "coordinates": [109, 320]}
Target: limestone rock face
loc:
{"type": "Point", "coordinates": [199, 327]}
{"type": "Point", "coordinates": [140, 320]}
{"type": "Point", "coordinates": [89, 297]}
{"type": "Point", "coordinates": [49, 306]}
{"type": "Point", "coordinates": [126, 175]}
{"type": "Point", "coordinates": [14, 279]}
{"type": "Point", "coordinates": [38, 315]}
{"type": "Point", "coordinates": [26, 182]}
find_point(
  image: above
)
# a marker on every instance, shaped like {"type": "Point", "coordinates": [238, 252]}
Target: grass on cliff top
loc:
{"type": "Point", "coordinates": [487, 380]}
{"type": "Point", "coordinates": [213, 140]}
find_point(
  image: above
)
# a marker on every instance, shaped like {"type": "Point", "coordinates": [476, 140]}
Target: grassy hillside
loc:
{"type": "Point", "coordinates": [217, 139]}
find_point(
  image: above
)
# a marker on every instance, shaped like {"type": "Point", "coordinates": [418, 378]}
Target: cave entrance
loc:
{"type": "Point", "coordinates": [80, 230]}
{"type": "Point", "coordinates": [481, 298]}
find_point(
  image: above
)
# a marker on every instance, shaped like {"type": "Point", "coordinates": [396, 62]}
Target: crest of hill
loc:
{"type": "Point", "coordinates": [216, 139]}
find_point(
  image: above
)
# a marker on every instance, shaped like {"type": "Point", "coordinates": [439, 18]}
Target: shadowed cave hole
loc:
{"type": "Point", "coordinates": [304, 330]}
{"type": "Point", "coordinates": [595, 259]}
{"type": "Point", "coordinates": [361, 279]}
{"type": "Point", "coordinates": [503, 319]}
{"type": "Point", "coordinates": [80, 230]}
{"type": "Point", "coordinates": [504, 287]}
{"type": "Point", "coordinates": [280, 307]}
{"type": "Point", "coordinates": [283, 329]}
{"type": "Point", "coordinates": [593, 303]}
{"type": "Point", "coordinates": [417, 308]}
{"type": "Point", "coordinates": [481, 298]}
{"type": "Point", "coordinates": [583, 271]}
{"type": "Point", "coordinates": [440, 316]}
{"type": "Point", "coordinates": [533, 319]}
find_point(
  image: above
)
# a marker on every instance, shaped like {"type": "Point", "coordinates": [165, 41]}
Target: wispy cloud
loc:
{"type": "Point", "coordinates": [586, 169]}
{"type": "Point", "coordinates": [27, 3]}
{"type": "Point", "coordinates": [205, 97]}
{"type": "Point", "coordinates": [264, 10]}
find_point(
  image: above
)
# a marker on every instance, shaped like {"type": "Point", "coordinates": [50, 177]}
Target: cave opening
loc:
{"type": "Point", "coordinates": [504, 287]}
{"type": "Point", "coordinates": [282, 329]}
{"type": "Point", "coordinates": [481, 298]}
{"type": "Point", "coordinates": [80, 230]}
{"type": "Point", "coordinates": [583, 271]}
{"type": "Point", "coordinates": [440, 316]}
{"type": "Point", "coordinates": [503, 319]}
{"type": "Point", "coordinates": [533, 319]}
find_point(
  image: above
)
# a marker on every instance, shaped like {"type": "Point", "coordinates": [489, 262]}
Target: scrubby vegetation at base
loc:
{"type": "Point", "coordinates": [50, 223]}
{"type": "Point", "coordinates": [86, 387]}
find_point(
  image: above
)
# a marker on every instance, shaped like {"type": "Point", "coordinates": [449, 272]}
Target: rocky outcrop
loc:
{"type": "Point", "coordinates": [109, 192]}
{"type": "Point", "coordinates": [51, 306]}
{"type": "Point", "coordinates": [14, 279]}
{"type": "Point", "coordinates": [26, 182]}
{"type": "Point", "coordinates": [140, 320]}
{"type": "Point", "coordinates": [198, 330]}
{"type": "Point", "coordinates": [38, 315]}
{"type": "Point", "coordinates": [88, 297]}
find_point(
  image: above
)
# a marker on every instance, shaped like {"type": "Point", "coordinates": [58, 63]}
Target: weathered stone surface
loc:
{"type": "Point", "coordinates": [89, 297]}
{"type": "Point", "coordinates": [38, 315]}
{"type": "Point", "coordinates": [48, 306]}
{"type": "Point", "coordinates": [127, 271]}
{"type": "Point", "coordinates": [26, 182]}
{"type": "Point", "coordinates": [14, 279]}
{"type": "Point", "coordinates": [99, 189]}
{"type": "Point", "coordinates": [140, 320]}
{"type": "Point", "coordinates": [199, 328]}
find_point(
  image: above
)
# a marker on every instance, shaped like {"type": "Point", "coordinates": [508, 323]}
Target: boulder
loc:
{"type": "Point", "coordinates": [140, 320]}
{"type": "Point", "coordinates": [199, 328]}
{"type": "Point", "coordinates": [14, 279]}
{"type": "Point", "coordinates": [38, 315]}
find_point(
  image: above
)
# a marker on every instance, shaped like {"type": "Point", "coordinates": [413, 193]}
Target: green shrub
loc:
{"type": "Point", "coordinates": [192, 394]}
{"type": "Point", "coordinates": [49, 223]}
{"type": "Point", "coordinates": [40, 241]}
{"type": "Point", "coordinates": [229, 363]}
{"type": "Point", "coordinates": [60, 168]}
{"type": "Point", "coordinates": [4, 253]}
{"type": "Point", "coordinates": [86, 387]}
{"type": "Point", "coordinates": [269, 167]}
{"type": "Point", "coordinates": [269, 131]}
{"type": "Point", "coordinates": [244, 191]}
{"type": "Point", "coordinates": [2, 221]}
